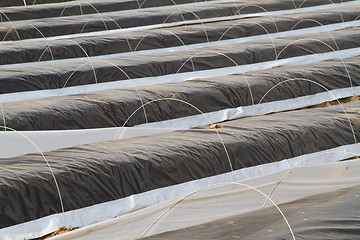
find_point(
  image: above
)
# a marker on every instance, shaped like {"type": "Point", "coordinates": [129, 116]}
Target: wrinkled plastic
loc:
{"type": "Point", "coordinates": [105, 171]}
{"type": "Point", "coordinates": [69, 8]}
{"type": "Point", "coordinates": [81, 71]}
{"type": "Point", "coordinates": [115, 20]}
{"type": "Point", "coordinates": [111, 43]}
{"type": "Point", "coordinates": [329, 215]}
{"type": "Point", "coordinates": [112, 108]}
{"type": "Point", "coordinates": [10, 3]}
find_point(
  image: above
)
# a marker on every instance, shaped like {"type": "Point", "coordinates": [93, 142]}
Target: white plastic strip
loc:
{"type": "Point", "coordinates": [257, 109]}
{"type": "Point", "coordinates": [298, 32]}
{"type": "Point", "coordinates": [300, 102]}
{"type": "Point", "coordinates": [202, 21]}
{"type": "Point", "coordinates": [223, 201]}
{"type": "Point", "coordinates": [52, 140]}
{"type": "Point", "coordinates": [140, 10]}
{"type": "Point", "coordinates": [180, 77]}
{"type": "Point", "coordinates": [255, 176]}
{"type": "Point", "coordinates": [14, 144]}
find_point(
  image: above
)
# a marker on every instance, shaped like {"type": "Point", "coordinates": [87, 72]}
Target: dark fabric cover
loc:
{"type": "Point", "coordinates": [333, 215]}
{"type": "Point", "coordinates": [112, 108]}
{"type": "Point", "coordinates": [9, 3]}
{"type": "Point", "coordinates": [33, 51]}
{"type": "Point", "coordinates": [69, 8]}
{"type": "Point", "coordinates": [113, 20]}
{"type": "Point", "coordinates": [80, 71]}
{"type": "Point", "coordinates": [100, 172]}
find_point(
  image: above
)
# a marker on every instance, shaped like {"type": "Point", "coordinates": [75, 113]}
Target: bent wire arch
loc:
{"type": "Point", "coordinates": [311, 81]}
{"type": "Point", "coordinates": [187, 103]}
{"type": "Point", "coordinates": [214, 185]}
{"type": "Point", "coordinates": [47, 163]}
{"type": "Point", "coordinates": [352, 154]}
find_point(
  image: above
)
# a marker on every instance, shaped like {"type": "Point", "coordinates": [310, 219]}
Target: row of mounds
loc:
{"type": "Point", "coordinates": [247, 90]}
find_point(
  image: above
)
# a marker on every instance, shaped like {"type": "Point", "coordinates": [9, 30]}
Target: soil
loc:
{"type": "Point", "coordinates": [61, 230]}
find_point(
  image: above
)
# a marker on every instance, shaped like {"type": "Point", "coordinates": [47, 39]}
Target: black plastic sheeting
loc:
{"type": "Point", "coordinates": [9, 3]}
{"type": "Point", "coordinates": [33, 51]}
{"type": "Point", "coordinates": [58, 74]}
{"type": "Point", "coordinates": [331, 215]}
{"type": "Point", "coordinates": [114, 20]}
{"type": "Point", "coordinates": [111, 108]}
{"type": "Point", "coordinates": [100, 172]}
{"type": "Point", "coordinates": [69, 8]}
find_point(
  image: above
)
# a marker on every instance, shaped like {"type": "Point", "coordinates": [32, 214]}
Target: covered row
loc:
{"type": "Point", "coordinates": [100, 172]}
{"type": "Point", "coordinates": [36, 9]}
{"type": "Point", "coordinates": [56, 26]}
{"type": "Point", "coordinates": [113, 108]}
{"type": "Point", "coordinates": [117, 42]}
{"type": "Point", "coordinates": [74, 72]}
